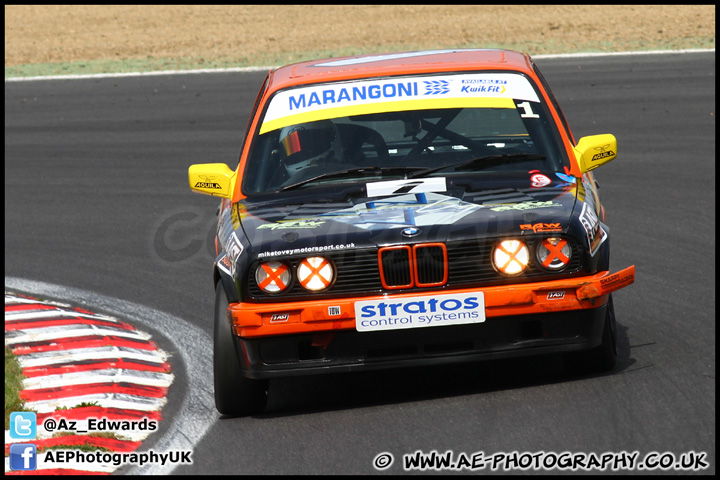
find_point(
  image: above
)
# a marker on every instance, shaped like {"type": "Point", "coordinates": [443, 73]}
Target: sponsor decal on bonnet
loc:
{"type": "Point", "coordinates": [399, 187]}
{"type": "Point", "coordinates": [421, 209]}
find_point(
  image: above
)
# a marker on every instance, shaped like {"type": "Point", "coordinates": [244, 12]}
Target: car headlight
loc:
{"type": "Point", "coordinates": [315, 273]}
{"type": "Point", "coordinates": [554, 253]}
{"type": "Point", "coordinates": [272, 277]}
{"type": "Point", "coordinates": [511, 257]}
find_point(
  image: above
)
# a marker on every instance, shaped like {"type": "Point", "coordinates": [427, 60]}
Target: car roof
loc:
{"type": "Point", "coordinates": [400, 63]}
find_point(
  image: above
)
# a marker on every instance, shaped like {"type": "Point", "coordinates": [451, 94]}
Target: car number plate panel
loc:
{"type": "Point", "coordinates": [419, 312]}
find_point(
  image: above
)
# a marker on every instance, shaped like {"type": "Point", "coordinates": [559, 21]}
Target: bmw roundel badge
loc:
{"type": "Point", "coordinates": [410, 231]}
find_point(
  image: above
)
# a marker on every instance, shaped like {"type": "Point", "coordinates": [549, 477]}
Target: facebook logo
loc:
{"type": "Point", "coordinates": [23, 425]}
{"type": "Point", "coordinates": [23, 456]}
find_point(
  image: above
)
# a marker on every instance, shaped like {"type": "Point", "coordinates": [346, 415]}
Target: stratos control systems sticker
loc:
{"type": "Point", "coordinates": [417, 312]}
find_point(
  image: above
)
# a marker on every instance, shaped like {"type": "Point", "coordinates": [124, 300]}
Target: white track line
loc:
{"type": "Point", "coordinates": [140, 74]}
{"type": "Point", "coordinates": [263, 69]}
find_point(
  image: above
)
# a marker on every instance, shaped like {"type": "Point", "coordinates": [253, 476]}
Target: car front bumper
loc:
{"type": "Point", "coordinates": [299, 338]}
{"type": "Point", "coordinates": [350, 350]}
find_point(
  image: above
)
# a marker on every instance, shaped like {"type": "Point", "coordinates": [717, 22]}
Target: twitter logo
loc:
{"type": "Point", "coordinates": [23, 425]}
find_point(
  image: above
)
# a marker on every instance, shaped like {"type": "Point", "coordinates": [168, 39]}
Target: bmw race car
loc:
{"type": "Point", "coordinates": [402, 210]}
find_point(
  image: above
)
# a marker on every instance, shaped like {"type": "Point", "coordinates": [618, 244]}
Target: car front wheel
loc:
{"type": "Point", "coordinates": [603, 357]}
{"type": "Point", "coordinates": [235, 394]}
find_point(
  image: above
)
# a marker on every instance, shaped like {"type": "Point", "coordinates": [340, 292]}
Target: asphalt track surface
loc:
{"type": "Point", "coordinates": [96, 199]}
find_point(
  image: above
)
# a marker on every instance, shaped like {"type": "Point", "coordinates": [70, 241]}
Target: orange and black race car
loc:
{"type": "Point", "coordinates": [407, 209]}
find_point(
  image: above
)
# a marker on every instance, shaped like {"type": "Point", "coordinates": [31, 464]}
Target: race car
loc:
{"type": "Point", "coordinates": [407, 209]}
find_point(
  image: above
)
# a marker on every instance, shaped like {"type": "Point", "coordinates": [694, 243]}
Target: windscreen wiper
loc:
{"type": "Point", "coordinates": [352, 172]}
{"type": "Point", "coordinates": [481, 162]}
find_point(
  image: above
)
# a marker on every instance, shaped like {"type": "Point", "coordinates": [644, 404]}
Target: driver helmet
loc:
{"type": "Point", "coordinates": [310, 144]}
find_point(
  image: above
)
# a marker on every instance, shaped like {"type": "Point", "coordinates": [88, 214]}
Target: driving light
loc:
{"type": "Point", "coordinates": [554, 253]}
{"type": "Point", "coordinates": [272, 277]}
{"type": "Point", "coordinates": [315, 273]}
{"type": "Point", "coordinates": [511, 257]}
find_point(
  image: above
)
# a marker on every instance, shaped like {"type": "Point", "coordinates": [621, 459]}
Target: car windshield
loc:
{"type": "Point", "coordinates": [442, 125]}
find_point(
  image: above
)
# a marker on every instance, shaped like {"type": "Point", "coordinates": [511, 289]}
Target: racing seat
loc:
{"type": "Point", "coordinates": [357, 138]}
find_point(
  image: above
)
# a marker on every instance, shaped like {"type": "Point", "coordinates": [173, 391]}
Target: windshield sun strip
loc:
{"type": "Point", "coordinates": [383, 107]}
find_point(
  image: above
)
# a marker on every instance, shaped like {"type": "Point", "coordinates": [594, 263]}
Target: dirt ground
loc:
{"type": "Point", "coordinates": [239, 35]}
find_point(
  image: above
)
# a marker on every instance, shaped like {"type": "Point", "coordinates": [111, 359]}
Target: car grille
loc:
{"type": "Point", "coordinates": [423, 265]}
{"type": "Point", "coordinates": [390, 269]}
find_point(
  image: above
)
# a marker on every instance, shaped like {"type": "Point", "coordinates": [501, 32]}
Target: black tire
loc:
{"type": "Point", "coordinates": [235, 394]}
{"type": "Point", "coordinates": [603, 357]}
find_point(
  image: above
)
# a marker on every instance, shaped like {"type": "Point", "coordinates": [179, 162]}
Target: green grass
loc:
{"type": "Point", "coordinates": [13, 386]}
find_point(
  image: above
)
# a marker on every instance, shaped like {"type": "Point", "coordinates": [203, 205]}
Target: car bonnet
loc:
{"type": "Point", "coordinates": [431, 210]}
